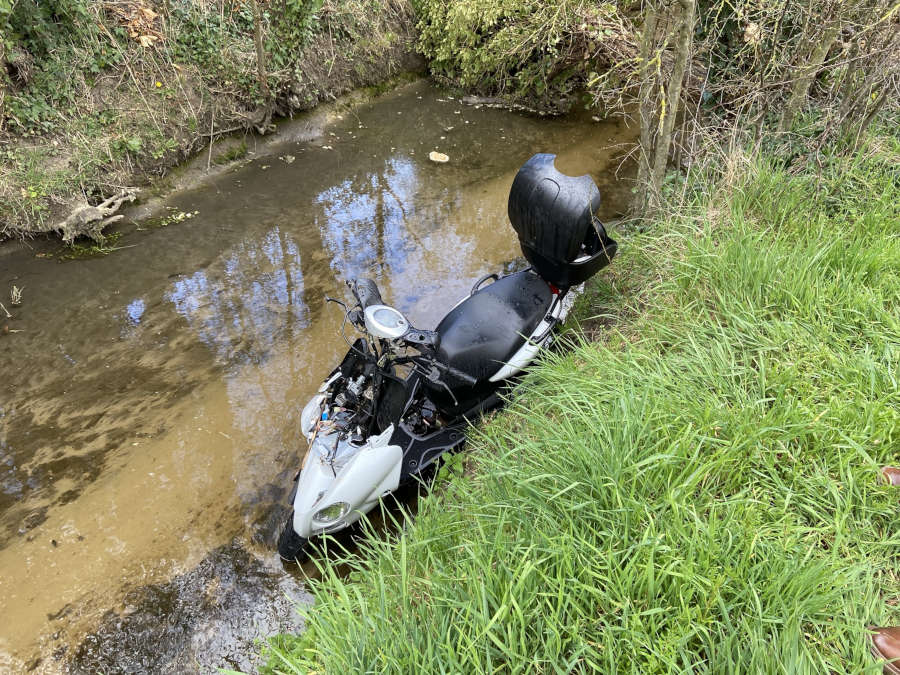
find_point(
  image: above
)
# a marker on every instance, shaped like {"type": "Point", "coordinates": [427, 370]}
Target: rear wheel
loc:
{"type": "Point", "coordinates": [291, 546]}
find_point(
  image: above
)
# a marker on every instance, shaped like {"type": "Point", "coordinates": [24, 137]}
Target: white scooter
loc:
{"type": "Point", "coordinates": [402, 395]}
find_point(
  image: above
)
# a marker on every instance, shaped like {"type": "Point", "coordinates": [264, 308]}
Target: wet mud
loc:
{"type": "Point", "coordinates": [198, 621]}
{"type": "Point", "coordinates": [149, 404]}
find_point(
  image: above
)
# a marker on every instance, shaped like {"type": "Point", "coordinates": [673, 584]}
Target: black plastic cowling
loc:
{"type": "Point", "coordinates": [553, 215]}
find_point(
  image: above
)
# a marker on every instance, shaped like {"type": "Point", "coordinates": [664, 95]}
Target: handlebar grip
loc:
{"type": "Point", "coordinates": [465, 377]}
{"type": "Point", "coordinates": [367, 293]}
{"type": "Point", "coordinates": [437, 367]}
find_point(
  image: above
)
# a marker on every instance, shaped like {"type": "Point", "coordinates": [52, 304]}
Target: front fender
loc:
{"type": "Point", "coordinates": [366, 477]}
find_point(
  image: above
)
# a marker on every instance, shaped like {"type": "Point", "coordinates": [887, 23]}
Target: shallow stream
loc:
{"type": "Point", "coordinates": [149, 404]}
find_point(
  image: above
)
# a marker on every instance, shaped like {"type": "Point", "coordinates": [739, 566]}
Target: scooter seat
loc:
{"type": "Point", "coordinates": [484, 331]}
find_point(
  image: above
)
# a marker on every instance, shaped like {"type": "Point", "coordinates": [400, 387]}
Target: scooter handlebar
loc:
{"type": "Point", "coordinates": [458, 374]}
{"type": "Point", "coordinates": [465, 377]}
{"type": "Point", "coordinates": [366, 291]}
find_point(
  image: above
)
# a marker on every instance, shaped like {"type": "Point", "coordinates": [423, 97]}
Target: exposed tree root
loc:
{"type": "Point", "coordinates": [89, 221]}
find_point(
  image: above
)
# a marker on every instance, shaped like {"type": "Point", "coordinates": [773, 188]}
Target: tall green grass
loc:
{"type": "Point", "coordinates": [696, 491]}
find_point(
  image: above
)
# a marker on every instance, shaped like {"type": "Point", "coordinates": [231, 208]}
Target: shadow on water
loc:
{"type": "Point", "coordinates": [149, 406]}
{"type": "Point", "coordinates": [213, 616]}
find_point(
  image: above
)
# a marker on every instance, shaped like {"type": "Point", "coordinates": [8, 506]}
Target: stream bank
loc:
{"type": "Point", "coordinates": [100, 98]}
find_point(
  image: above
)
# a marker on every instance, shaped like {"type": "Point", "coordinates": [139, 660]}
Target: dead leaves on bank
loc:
{"type": "Point", "coordinates": [139, 19]}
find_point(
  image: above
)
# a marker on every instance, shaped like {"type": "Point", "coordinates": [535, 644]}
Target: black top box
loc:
{"type": "Point", "coordinates": [553, 214]}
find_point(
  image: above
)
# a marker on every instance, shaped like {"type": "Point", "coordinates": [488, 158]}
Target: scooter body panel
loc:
{"type": "Point", "coordinates": [358, 479]}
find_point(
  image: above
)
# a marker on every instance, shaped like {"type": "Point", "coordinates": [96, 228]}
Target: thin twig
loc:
{"type": "Point", "coordinates": [212, 140]}
{"type": "Point", "coordinates": [222, 132]}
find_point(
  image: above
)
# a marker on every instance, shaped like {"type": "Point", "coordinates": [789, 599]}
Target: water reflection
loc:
{"type": "Point", "coordinates": [363, 220]}
{"type": "Point", "coordinates": [135, 310]}
{"type": "Point", "coordinates": [10, 483]}
{"type": "Point", "coordinates": [244, 305]}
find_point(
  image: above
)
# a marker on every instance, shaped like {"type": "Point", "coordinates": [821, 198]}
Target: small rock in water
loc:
{"type": "Point", "coordinates": [438, 157]}
{"type": "Point", "coordinates": [288, 159]}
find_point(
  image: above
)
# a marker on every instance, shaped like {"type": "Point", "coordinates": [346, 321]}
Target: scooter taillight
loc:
{"type": "Point", "coordinates": [553, 289]}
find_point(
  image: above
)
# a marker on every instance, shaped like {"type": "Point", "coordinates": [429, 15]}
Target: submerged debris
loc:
{"type": "Point", "coordinates": [15, 296]}
{"type": "Point", "coordinates": [438, 157]}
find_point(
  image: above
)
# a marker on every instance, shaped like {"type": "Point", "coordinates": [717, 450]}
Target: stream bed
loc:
{"type": "Point", "coordinates": [150, 400]}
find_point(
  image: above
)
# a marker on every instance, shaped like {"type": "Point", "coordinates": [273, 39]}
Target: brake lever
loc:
{"type": "Point", "coordinates": [434, 376]}
{"type": "Point", "coordinates": [354, 316]}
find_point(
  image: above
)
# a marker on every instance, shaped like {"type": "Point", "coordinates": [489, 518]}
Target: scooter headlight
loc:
{"type": "Point", "coordinates": [332, 513]}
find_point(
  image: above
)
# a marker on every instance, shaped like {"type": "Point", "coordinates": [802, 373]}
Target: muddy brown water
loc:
{"type": "Point", "coordinates": [149, 406]}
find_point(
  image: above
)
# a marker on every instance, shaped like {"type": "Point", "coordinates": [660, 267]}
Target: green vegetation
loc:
{"type": "Point", "coordinates": [232, 154]}
{"type": "Point", "coordinates": [91, 249]}
{"type": "Point", "coordinates": [96, 96]}
{"type": "Point", "coordinates": [116, 92]}
{"type": "Point", "coordinates": [820, 72]}
{"type": "Point", "coordinates": [522, 48]}
{"type": "Point", "coordinates": [697, 490]}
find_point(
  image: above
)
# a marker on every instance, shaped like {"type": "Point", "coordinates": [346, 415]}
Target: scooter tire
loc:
{"type": "Point", "coordinates": [291, 546]}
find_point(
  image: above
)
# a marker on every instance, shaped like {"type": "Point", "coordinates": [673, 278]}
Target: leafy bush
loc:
{"type": "Point", "coordinates": [521, 48]}
{"type": "Point", "coordinates": [43, 27]}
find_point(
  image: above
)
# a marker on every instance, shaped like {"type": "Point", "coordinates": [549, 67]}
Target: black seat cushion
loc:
{"type": "Point", "coordinates": [486, 329]}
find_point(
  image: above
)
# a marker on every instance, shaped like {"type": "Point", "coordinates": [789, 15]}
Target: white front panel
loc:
{"type": "Point", "coordinates": [364, 478]}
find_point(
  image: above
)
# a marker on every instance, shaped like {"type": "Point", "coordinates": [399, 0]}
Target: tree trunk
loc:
{"type": "Point", "coordinates": [646, 108]}
{"type": "Point", "coordinates": [800, 88]}
{"type": "Point", "coordinates": [672, 100]}
{"type": "Point", "coordinates": [848, 80]}
{"type": "Point", "coordinates": [2, 83]}
{"type": "Point", "coordinates": [4, 79]}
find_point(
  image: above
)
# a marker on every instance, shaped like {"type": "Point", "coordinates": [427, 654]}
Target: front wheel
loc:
{"type": "Point", "coordinates": [291, 546]}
